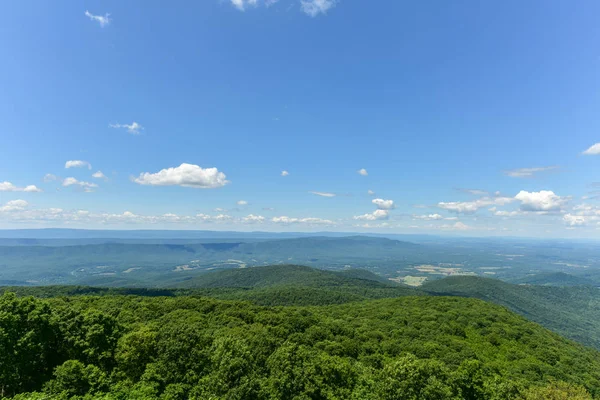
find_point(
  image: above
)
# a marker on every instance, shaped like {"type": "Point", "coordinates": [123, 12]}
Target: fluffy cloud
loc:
{"type": "Point", "coordinates": [376, 215]}
{"type": "Point", "coordinates": [14, 205]}
{"type": "Point", "coordinates": [384, 204]}
{"type": "Point", "coordinates": [87, 186]}
{"type": "Point", "coordinates": [316, 7]}
{"type": "Point", "coordinates": [370, 193]}
{"type": "Point", "coordinates": [78, 164]}
{"type": "Point", "coordinates": [9, 187]}
{"type": "Point", "coordinates": [242, 203]}
{"type": "Point", "coordinates": [575, 220]}
{"type": "Point", "coordinates": [323, 194]}
{"type": "Point", "coordinates": [241, 4]}
{"type": "Point", "coordinates": [362, 172]}
{"type": "Point", "coordinates": [544, 200]}
{"type": "Point", "coordinates": [309, 221]}
{"type": "Point", "coordinates": [187, 175]}
{"type": "Point", "coordinates": [593, 151]}
{"type": "Point", "coordinates": [99, 175]}
{"type": "Point", "coordinates": [528, 172]}
{"type": "Point", "coordinates": [134, 128]}
{"type": "Point", "coordinates": [430, 217]}
{"type": "Point", "coordinates": [102, 20]}
{"type": "Point", "coordinates": [253, 219]}
{"type": "Point", "coordinates": [582, 214]}
{"type": "Point", "coordinates": [470, 207]}
{"type": "Point", "coordinates": [284, 173]}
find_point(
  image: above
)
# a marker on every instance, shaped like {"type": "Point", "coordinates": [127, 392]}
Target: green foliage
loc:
{"type": "Point", "coordinates": [570, 311]}
{"type": "Point", "coordinates": [189, 347]}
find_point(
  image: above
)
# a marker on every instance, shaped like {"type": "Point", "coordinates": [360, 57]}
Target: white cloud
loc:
{"type": "Point", "coordinates": [470, 207]}
{"type": "Point", "coordinates": [575, 220]}
{"type": "Point", "coordinates": [50, 178]}
{"type": "Point", "coordinates": [99, 175]}
{"type": "Point", "coordinates": [187, 175]}
{"type": "Point", "coordinates": [284, 173]}
{"type": "Point", "coordinates": [102, 20]}
{"type": "Point", "coordinates": [544, 200]}
{"type": "Point", "coordinates": [374, 226]}
{"type": "Point", "coordinates": [242, 203]}
{"type": "Point", "coordinates": [324, 194]}
{"type": "Point", "coordinates": [253, 219]}
{"type": "Point", "coordinates": [241, 4]}
{"type": "Point", "coordinates": [9, 187]}
{"type": "Point", "coordinates": [14, 205]}
{"type": "Point", "coordinates": [370, 192]}
{"type": "Point", "coordinates": [501, 213]}
{"type": "Point", "coordinates": [362, 172]}
{"type": "Point", "coordinates": [528, 172]}
{"type": "Point", "coordinates": [316, 7]}
{"type": "Point", "coordinates": [376, 215]}
{"type": "Point", "coordinates": [134, 128]}
{"type": "Point", "coordinates": [384, 204]}
{"type": "Point", "coordinates": [593, 151]}
{"type": "Point", "coordinates": [430, 217]}
{"type": "Point", "coordinates": [309, 221]}
{"type": "Point", "coordinates": [78, 164]}
{"type": "Point", "coordinates": [72, 181]}
{"type": "Point", "coordinates": [458, 226]}
{"type": "Point", "coordinates": [582, 214]}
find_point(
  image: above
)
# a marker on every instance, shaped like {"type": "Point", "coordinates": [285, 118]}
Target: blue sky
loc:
{"type": "Point", "coordinates": [470, 118]}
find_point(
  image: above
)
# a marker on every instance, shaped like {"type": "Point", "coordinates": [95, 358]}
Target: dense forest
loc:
{"type": "Point", "coordinates": [194, 347]}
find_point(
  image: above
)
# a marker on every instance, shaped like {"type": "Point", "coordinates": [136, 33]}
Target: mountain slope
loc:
{"type": "Point", "coordinates": [190, 347]}
{"type": "Point", "coordinates": [571, 311]}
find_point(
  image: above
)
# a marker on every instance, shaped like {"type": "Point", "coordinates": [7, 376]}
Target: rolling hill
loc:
{"type": "Point", "coordinates": [571, 311]}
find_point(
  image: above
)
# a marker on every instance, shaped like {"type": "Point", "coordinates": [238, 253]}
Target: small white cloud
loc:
{"type": "Point", "coordinates": [315, 7]}
{"type": "Point", "coordinates": [242, 203]}
{"type": "Point", "coordinates": [14, 205]}
{"type": "Point", "coordinates": [362, 172]}
{"type": "Point", "coordinates": [284, 173]}
{"type": "Point", "coordinates": [309, 221]}
{"type": "Point", "coordinates": [470, 207]}
{"type": "Point", "coordinates": [593, 150]}
{"type": "Point", "coordinates": [78, 164]}
{"type": "Point", "coordinates": [501, 213]}
{"type": "Point", "coordinates": [134, 128]}
{"type": "Point", "coordinates": [50, 178]}
{"type": "Point", "coordinates": [219, 209]}
{"type": "Point", "coordinates": [575, 220]}
{"type": "Point", "coordinates": [376, 215]}
{"type": "Point", "coordinates": [187, 175]}
{"type": "Point", "coordinates": [323, 194]}
{"type": "Point", "coordinates": [430, 217]}
{"type": "Point", "coordinates": [241, 4]}
{"type": "Point", "coordinates": [102, 20]}
{"type": "Point", "coordinates": [253, 219]}
{"type": "Point", "coordinates": [528, 172]}
{"type": "Point", "coordinates": [9, 187]}
{"type": "Point", "coordinates": [384, 204]}
{"type": "Point", "coordinates": [74, 182]}
{"type": "Point", "coordinates": [544, 200]}
{"type": "Point", "coordinates": [370, 192]}
{"type": "Point", "coordinates": [99, 175]}
{"type": "Point", "coordinates": [459, 226]}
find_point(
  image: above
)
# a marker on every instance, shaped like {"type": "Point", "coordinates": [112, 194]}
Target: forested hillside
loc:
{"type": "Point", "coordinates": [131, 347]}
{"type": "Point", "coordinates": [571, 311]}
